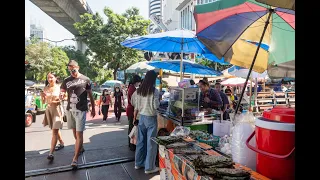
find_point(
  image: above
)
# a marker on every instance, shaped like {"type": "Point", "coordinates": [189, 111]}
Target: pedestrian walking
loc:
{"type": "Point", "coordinates": [133, 85]}
{"type": "Point", "coordinates": [105, 102]}
{"type": "Point", "coordinates": [118, 102]}
{"type": "Point", "coordinates": [54, 112]}
{"type": "Point", "coordinates": [146, 105]}
{"type": "Point", "coordinates": [78, 88]}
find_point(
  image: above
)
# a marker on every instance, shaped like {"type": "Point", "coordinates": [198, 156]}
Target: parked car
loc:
{"type": "Point", "coordinates": [109, 85]}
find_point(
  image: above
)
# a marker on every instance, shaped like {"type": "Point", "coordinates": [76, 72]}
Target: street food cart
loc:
{"type": "Point", "coordinates": [184, 109]}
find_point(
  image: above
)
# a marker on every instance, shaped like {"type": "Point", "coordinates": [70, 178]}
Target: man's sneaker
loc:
{"type": "Point", "coordinates": [137, 167]}
{"type": "Point", "coordinates": [152, 171]}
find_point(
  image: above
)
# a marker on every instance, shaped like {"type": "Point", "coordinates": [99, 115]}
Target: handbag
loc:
{"type": "Point", "coordinates": [64, 116]}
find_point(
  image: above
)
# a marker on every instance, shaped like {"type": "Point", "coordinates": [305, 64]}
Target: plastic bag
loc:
{"type": "Point", "coordinates": [180, 131]}
{"type": "Point", "coordinates": [241, 131]}
{"type": "Point", "coordinates": [225, 144]}
{"type": "Point", "coordinates": [244, 117]}
{"type": "Point", "coordinates": [133, 135]}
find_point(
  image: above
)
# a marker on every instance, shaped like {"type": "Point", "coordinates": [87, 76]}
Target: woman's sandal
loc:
{"type": "Point", "coordinates": [50, 157]}
{"type": "Point", "coordinates": [74, 165]}
{"type": "Point", "coordinates": [58, 147]}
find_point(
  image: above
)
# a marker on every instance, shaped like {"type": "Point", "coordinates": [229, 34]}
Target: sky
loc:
{"type": "Point", "coordinates": [54, 31]}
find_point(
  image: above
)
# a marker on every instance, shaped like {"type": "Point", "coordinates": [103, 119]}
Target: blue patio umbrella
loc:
{"type": "Point", "coordinates": [178, 41]}
{"type": "Point", "coordinates": [188, 67]}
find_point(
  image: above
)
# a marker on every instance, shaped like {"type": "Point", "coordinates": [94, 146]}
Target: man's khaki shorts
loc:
{"type": "Point", "coordinates": [76, 120]}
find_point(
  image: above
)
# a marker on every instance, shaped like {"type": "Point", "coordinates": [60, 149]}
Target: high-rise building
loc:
{"type": "Point", "coordinates": [155, 9]}
{"type": "Point", "coordinates": [185, 9]}
{"type": "Point", "coordinates": [170, 14]}
{"type": "Point", "coordinates": [37, 31]}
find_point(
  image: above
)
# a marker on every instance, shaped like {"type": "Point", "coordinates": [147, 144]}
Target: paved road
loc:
{"type": "Point", "coordinates": [102, 141]}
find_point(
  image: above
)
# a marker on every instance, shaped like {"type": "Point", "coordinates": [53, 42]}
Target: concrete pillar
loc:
{"type": "Point", "coordinates": [81, 46]}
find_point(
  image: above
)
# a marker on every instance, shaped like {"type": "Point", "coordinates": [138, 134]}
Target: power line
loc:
{"type": "Point", "coordinates": [72, 39]}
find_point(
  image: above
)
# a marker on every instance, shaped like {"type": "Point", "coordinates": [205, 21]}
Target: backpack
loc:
{"type": "Point", "coordinates": [104, 99]}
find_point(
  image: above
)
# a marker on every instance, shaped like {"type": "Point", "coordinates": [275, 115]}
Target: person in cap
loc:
{"type": "Point", "coordinates": [78, 88]}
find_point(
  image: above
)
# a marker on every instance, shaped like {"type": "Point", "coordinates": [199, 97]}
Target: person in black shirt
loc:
{"type": "Point", "coordinates": [209, 97]}
{"type": "Point", "coordinates": [225, 101]}
{"type": "Point", "coordinates": [78, 87]}
{"type": "Point", "coordinates": [118, 102]}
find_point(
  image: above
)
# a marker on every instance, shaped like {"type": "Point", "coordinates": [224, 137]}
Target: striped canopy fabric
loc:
{"type": "Point", "coordinates": [225, 26]}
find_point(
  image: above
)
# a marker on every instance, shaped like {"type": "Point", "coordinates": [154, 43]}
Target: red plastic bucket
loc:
{"type": "Point", "coordinates": [275, 142]}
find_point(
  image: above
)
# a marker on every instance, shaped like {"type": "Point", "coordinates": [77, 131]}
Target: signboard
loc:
{"type": "Point", "coordinates": [157, 20]}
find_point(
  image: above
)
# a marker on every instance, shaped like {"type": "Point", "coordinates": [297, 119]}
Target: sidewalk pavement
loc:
{"type": "Point", "coordinates": [102, 141]}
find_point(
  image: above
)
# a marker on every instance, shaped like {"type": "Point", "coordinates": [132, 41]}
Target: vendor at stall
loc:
{"type": "Point", "coordinates": [209, 97]}
{"type": "Point", "coordinates": [225, 101]}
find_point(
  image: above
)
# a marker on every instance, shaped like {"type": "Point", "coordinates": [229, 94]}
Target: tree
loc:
{"type": "Point", "coordinates": [104, 39]}
{"type": "Point", "coordinates": [88, 66]}
{"type": "Point", "coordinates": [212, 64]}
{"type": "Point", "coordinates": [43, 58]}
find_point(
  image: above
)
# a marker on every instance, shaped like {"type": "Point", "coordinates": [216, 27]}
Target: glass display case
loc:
{"type": "Point", "coordinates": [184, 104]}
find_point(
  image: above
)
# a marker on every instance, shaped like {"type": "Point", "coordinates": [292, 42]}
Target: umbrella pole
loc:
{"type": "Point", "coordinates": [250, 94]}
{"type": "Point", "coordinates": [255, 92]}
{"type": "Point", "coordinates": [160, 77]}
{"type": "Point", "coordinates": [181, 61]}
{"type": "Point", "coordinates": [254, 59]}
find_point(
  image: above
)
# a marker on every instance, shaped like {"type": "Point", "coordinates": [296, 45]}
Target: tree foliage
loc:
{"type": "Point", "coordinates": [43, 58]}
{"type": "Point", "coordinates": [212, 64]}
{"type": "Point", "coordinates": [104, 38]}
{"type": "Point", "coordinates": [87, 65]}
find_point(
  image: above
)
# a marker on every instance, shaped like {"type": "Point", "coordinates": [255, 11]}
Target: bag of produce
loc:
{"type": "Point", "coordinates": [240, 133]}
{"type": "Point", "coordinates": [134, 135]}
{"type": "Point", "coordinates": [180, 131]}
{"type": "Point", "coordinates": [225, 144]}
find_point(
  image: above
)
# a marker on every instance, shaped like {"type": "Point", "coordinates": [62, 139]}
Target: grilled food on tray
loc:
{"type": "Point", "coordinates": [232, 172]}
{"type": "Point", "coordinates": [211, 160]}
{"type": "Point", "coordinates": [196, 133]}
{"type": "Point", "coordinates": [165, 140]}
{"type": "Point", "coordinates": [187, 151]}
{"type": "Point", "coordinates": [178, 145]}
{"type": "Point", "coordinates": [233, 178]}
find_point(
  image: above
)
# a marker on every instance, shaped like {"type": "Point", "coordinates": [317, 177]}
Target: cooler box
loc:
{"type": "Point", "coordinates": [275, 140]}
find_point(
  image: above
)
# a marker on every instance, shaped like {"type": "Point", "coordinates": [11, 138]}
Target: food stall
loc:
{"type": "Point", "coordinates": [184, 158]}
{"type": "Point", "coordinates": [183, 108]}
{"type": "Point", "coordinates": [186, 154]}
{"type": "Point", "coordinates": [179, 159]}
